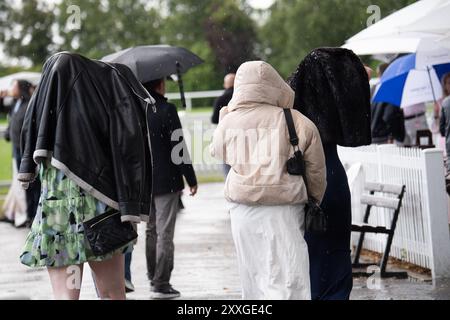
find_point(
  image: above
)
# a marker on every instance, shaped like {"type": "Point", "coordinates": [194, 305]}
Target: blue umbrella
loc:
{"type": "Point", "coordinates": [411, 80]}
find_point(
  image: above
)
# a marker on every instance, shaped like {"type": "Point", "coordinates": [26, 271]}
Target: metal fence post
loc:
{"type": "Point", "coordinates": [435, 206]}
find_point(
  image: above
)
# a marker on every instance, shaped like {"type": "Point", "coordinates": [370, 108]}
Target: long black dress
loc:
{"type": "Point", "coordinates": [330, 254]}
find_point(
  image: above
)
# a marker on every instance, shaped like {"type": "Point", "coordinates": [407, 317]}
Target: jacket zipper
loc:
{"type": "Point", "coordinates": [148, 101]}
{"type": "Point", "coordinates": [115, 214]}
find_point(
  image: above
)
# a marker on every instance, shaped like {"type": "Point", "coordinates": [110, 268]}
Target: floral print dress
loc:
{"type": "Point", "coordinates": [57, 236]}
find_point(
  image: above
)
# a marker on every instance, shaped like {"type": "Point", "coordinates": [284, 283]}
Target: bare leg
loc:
{"type": "Point", "coordinates": [66, 282]}
{"type": "Point", "coordinates": [110, 277]}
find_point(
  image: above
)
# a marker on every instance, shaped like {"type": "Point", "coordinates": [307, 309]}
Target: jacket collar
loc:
{"type": "Point", "coordinates": [158, 97]}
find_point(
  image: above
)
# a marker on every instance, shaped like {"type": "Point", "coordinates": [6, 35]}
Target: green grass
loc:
{"type": "Point", "coordinates": [5, 160]}
{"type": "Point", "coordinates": [5, 165]}
{"type": "Point", "coordinates": [209, 178]}
{"type": "Point", "coordinates": [202, 110]}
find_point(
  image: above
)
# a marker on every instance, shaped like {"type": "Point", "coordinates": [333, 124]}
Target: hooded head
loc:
{"type": "Point", "coordinates": [332, 90]}
{"type": "Point", "coordinates": [257, 83]}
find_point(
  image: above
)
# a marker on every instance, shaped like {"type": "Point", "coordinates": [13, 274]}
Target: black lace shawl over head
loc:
{"type": "Point", "coordinates": [332, 89]}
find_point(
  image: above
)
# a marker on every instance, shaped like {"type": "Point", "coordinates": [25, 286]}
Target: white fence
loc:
{"type": "Point", "coordinates": [422, 234]}
{"type": "Point", "coordinates": [198, 131]}
{"type": "Point", "coordinates": [189, 96]}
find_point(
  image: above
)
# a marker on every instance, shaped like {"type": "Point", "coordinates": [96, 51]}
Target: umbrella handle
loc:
{"type": "Point", "coordinates": [181, 86]}
{"type": "Point", "coordinates": [431, 84]}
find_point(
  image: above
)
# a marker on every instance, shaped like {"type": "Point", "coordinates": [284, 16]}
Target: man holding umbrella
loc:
{"type": "Point", "coordinates": [166, 134]}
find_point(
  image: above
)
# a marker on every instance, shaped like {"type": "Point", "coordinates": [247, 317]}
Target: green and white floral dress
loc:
{"type": "Point", "coordinates": [57, 236]}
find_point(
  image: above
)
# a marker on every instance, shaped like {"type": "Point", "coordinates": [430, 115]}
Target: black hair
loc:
{"type": "Point", "coordinates": [24, 89]}
{"type": "Point", "coordinates": [151, 85]}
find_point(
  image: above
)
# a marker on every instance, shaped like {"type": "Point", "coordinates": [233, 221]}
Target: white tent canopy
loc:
{"type": "Point", "coordinates": [6, 82]}
{"type": "Point", "coordinates": [402, 31]}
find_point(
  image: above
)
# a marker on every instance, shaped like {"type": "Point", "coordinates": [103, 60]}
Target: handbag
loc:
{"type": "Point", "coordinates": [316, 221]}
{"type": "Point", "coordinates": [107, 233]}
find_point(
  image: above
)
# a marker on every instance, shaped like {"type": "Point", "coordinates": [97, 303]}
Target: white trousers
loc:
{"type": "Point", "coordinates": [272, 252]}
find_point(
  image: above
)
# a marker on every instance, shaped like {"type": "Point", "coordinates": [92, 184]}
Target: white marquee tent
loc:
{"type": "Point", "coordinates": [402, 31]}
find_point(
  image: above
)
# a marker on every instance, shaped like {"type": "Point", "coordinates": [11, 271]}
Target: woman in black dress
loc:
{"type": "Point", "coordinates": [332, 90]}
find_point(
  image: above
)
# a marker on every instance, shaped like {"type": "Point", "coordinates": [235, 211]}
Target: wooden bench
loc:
{"type": "Point", "coordinates": [371, 200]}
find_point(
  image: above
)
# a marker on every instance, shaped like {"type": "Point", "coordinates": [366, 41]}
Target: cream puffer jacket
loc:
{"type": "Point", "coordinates": [253, 138]}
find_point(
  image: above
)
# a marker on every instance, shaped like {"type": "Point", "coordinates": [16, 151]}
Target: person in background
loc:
{"type": "Point", "coordinates": [387, 124]}
{"type": "Point", "coordinates": [170, 164]}
{"type": "Point", "coordinates": [435, 128]}
{"type": "Point", "coordinates": [445, 128]}
{"type": "Point", "coordinates": [21, 91]}
{"type": "Point", "coordinates": [369, 71]}
{"type": "Point", "coordinates": [3, 94]}
{"type": "Point", "coordinates": [222, 101]}
{"type": "Point", "coordinates": [415, 120]}
{"type": "Point", "coordinates": [129, 287]}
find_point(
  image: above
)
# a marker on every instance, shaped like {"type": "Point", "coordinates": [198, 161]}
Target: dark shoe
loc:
{"type": "Point", "coordinates": [129, 287]}
{"type": "Point", "coordinates": [165, 293]}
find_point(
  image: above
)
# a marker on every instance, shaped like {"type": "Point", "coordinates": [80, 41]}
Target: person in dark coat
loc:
{"type": "Point", "coordinates": [223, 101]}
{"type": "Point", "coordinates": [332, 89]}
{"type": "Point", "coordinates": [171, 162]}
{"type": "Point", "coordinates": [444, 128]}
{"type": "Point", "coordinates": [21, 91]}
{"type": "Point", "coordinates": [388, 121]}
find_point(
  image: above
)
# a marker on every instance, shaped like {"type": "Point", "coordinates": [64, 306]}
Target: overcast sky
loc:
{"type": "Point", "coordinates": [261, 4]}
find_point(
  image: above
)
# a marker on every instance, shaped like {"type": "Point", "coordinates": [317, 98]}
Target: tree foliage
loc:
{"type": "Point", "coordinates": [295, 27]}
{"type": "Point", "coordinates": [27, 31]}
{"type": "Point", "coordinates": [224, 33]}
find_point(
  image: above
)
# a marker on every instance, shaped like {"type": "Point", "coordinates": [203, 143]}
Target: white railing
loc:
{"type": "Point", "coordinates": [189, 96]}
{"type": "Point", "coordinates": [198, 131]}
{"type": "Point", "coordinates": [422, 234]}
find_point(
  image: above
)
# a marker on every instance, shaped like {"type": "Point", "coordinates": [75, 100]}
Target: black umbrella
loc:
{"type": "Point", "coordinates": [156, 62]}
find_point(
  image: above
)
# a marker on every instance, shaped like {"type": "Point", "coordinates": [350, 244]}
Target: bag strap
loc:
{"type": "Point", "coordinates": [293, 139]}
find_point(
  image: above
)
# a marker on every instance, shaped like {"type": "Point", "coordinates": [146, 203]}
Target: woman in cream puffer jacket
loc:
{"type": "Point", "coordinates": [267, 204]}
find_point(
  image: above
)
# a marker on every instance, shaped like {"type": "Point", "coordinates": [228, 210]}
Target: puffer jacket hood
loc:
{"type": "Point", "coordinates": [257, 83]}
{"type": "Point", "coordinates": [252, 137]}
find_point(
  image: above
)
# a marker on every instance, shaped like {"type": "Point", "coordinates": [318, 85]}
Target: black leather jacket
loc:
{"type": "Point", "coordinates": [89, 119]}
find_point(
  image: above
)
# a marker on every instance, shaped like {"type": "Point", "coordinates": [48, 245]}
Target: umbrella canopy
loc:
{"type": "Point", "coordinates": [32, 77]}
{"type": "Point", "coordinates": [402, 31]}
{"type": "Point", "coordinates": [413, 79]}
{"type": "Point", "coordinates": [155, 62]}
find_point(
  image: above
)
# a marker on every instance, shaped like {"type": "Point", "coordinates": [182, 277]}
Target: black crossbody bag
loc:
{"type": "Point", "coordinates": [316, 220]}
{"type": "Point", "coordinates": [107, 233]}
